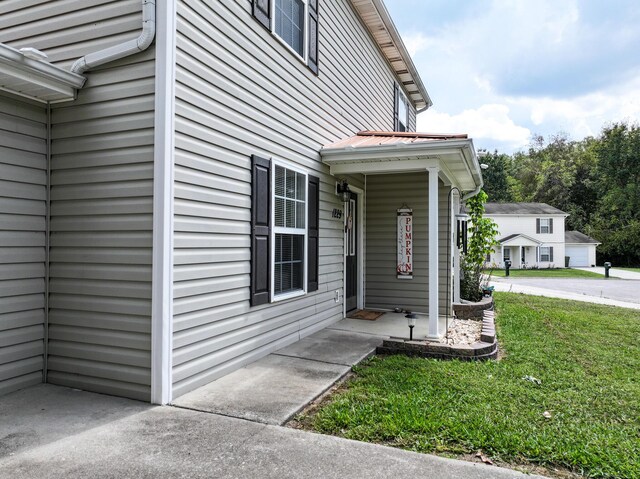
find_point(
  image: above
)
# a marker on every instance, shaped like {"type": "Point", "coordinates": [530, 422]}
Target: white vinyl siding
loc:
{"type": "Point", "coordinates": [101, 195]}
{"type": "Point", "coordinates": [23, 184]}
{"type": "Point", "coordinates": [238, 93]}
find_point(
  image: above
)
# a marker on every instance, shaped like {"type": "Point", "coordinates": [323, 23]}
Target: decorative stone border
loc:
{"type": "Point", "coordinates": [472, 310]}
{"type": "Point", "coordinates": [486, 348]}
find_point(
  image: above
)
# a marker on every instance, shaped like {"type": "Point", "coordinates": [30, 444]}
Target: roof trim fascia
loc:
{"type": "Point", "coordinates": [35, 72]}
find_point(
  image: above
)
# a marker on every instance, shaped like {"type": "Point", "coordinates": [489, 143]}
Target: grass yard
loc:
{"type": "Point", "coordinates": [586, 356]}
{"type": "Point", "coordinates": [545, 273]}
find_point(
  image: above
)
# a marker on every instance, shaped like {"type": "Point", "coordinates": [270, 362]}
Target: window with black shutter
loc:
{"type": "Point", "coordinates": [295, 23]}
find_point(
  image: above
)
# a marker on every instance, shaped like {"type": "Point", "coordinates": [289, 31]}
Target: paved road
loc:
{"type": "Point", "coordinates": [617, 292]}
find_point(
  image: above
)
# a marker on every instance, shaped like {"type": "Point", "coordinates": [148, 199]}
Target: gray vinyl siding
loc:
{"type": "Point", "coordinates": [101, 195]}
{"type": "Point", "coordinates": [385, 194]}
{"type": "Point", "coordinates": [23, 190]}
{"type": "Point", "coordinates": [240, 92]}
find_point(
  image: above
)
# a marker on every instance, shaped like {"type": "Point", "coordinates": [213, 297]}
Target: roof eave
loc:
{"type": "Point", "coordinates": [424, 101]}
{"type": "Point", "coordinates": [25, 76]}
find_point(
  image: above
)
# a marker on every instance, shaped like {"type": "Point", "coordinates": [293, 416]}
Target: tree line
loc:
{"type": "Point", "coordinates": [595, 180]}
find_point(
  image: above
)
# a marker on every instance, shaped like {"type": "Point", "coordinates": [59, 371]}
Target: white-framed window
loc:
{"type": "Point", "coordinates": [289, 233]}
{"type": "Point", "coordinates": [402, 110]}
{"type": "Point", "coordinates": [544, 225]}
{"type": "Point", "coordinates": [289, 23]}
{"type": "Point", "coordinates": [294, 23]}
{"type": "Point", "coordinates": [545, 252]}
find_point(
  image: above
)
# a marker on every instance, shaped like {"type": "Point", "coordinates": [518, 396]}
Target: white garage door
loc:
{"type": "Point", "coordinates": [579, 255]}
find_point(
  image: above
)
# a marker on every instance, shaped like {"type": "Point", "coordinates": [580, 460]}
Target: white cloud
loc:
{"type": "Point", "coordinates": [416, 42]}
{"type": "Point", "coordinates": [488, 122]}
{"type": "Point", "coordinates": [586, 114]}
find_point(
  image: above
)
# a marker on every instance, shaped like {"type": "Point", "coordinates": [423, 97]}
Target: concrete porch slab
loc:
{"type": "Point", "coordinates": [390, 324]}
{"type": "Point", "coordinates": [270, 390]}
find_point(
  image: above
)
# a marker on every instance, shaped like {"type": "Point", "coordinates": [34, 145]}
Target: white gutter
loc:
{"type": "Point", "coordinates": [26, 75]}
{"type": "Point", "coordinates": [125, 49]}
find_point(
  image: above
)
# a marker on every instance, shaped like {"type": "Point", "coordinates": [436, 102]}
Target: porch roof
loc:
{"type": "Point", "coordinates": [376, 152]}
{"type": "Point", "coordinates": [519, 240]}
{"type": "Point", "coordinates": [24, 74]}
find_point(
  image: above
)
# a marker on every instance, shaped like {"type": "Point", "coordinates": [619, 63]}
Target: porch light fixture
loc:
{"type": "Point", "coordinates": [343, 191]}
{"type": "Point", "coordinates": [411, 321]}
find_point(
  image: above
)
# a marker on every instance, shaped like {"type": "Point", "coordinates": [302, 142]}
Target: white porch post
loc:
{"type": "Point", "coordinates": [434, 332]}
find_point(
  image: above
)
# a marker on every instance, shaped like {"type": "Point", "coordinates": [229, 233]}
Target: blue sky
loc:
{"type": "Point", "coordinates": [504, 70]}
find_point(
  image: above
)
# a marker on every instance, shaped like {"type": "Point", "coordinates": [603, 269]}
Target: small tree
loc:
{"type": "Point", "coordinates": [482, 239]}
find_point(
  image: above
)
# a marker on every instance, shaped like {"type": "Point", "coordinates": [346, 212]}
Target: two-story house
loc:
{"type": "Point", "coordinates": [533, 235]}
{"type": "Point", "coordinates": [189, 185]}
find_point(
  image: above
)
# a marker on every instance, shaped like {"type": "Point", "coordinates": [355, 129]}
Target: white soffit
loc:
{"type": "Point", "coordinates": [36, 79]}
{"type": "Point", "coordinates": [379, 23]}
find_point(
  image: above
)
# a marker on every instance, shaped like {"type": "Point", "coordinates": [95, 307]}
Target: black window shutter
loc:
{"type": "Point", "coordinates": [550, 254]}
{"type": "Point", "coordinates": [313, 216]}
{"type": "Point", "coordinates": [550, 225]}
{"type": "Point", "coordinates": [260, 231]}
{"type": "Point", "coordinates": [396, 107]}
{"type": "Point", "coordinates": [313, 36]}
{"type": "Point", "coordinates": [538, 225]}
{"type": "Point", "coordinates": [262, 12]}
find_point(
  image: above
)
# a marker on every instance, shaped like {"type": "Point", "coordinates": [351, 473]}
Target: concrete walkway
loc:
{"type": "Point", "coordinates": [50, 432]}
{"type": "Point", "coordinates": [614, 272]}
{"type": "Point", "coordinates": [274, 388]}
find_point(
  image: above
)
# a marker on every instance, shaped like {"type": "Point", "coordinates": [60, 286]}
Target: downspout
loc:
{"type": "Point", "coordinates": [125, 49]}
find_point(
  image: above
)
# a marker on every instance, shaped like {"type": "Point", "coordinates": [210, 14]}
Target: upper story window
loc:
{"type": "Point", "coordinates": [289, 23]}
{"type": "Point", "coordinates": [544, 225]}
{"type": "Point", "coordinates": [401, 116]}
{"type": "Point", "coordinates": [295, 23]}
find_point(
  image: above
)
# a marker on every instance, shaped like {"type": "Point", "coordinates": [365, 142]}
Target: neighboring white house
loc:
{"type": "Point", "coordinates": [530, 235]}
{"type": "Point", "coordinates": [169, 209]}
{"type": "Point", "coordinates": [580, 248]}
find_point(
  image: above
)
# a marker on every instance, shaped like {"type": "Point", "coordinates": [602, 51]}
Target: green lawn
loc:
{"type": "Point", "coordinates": [545, 273]}
{"type": "Point", "coordinates": [586, 356]}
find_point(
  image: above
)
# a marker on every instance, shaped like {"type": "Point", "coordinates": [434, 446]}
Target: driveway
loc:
{"type": "Point", "coordinates": [54, 432]}
{"type": "Point", "coordinates": [613, 291]}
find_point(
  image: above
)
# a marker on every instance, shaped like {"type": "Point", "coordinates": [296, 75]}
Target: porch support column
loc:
{"type": "Point", "coordinates": [434, 332]}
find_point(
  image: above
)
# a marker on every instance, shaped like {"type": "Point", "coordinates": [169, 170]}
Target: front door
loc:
{"type": "Point", "coordinates": [351, 253]}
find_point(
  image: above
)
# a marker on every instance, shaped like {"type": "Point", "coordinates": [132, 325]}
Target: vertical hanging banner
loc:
{"type": "Point", "coordinates": [404, 269]}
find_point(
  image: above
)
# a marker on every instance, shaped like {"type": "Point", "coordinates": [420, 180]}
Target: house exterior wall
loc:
{"type": "Point", "coordinates": [239, 92]}
{"type": "Point", "coordinates": [526, 225]}
{"type": "Point", "coordinates": [23, 194]}
{"type": "Point", "coordinates": [383, 290]}
{"type": "Point", "coordinates": [101, 195]}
